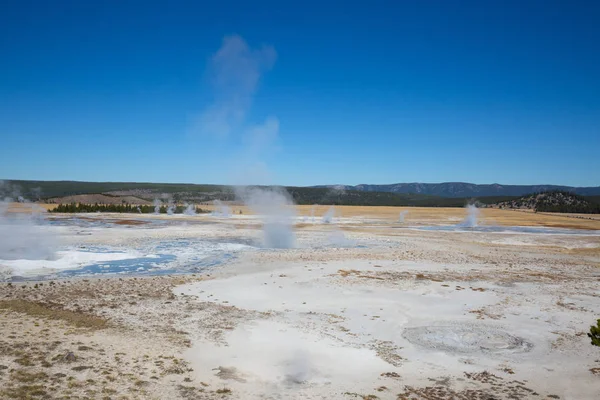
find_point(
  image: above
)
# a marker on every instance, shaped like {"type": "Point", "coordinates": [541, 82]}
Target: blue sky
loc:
{"type": "Point", "coordinates": [301, 93]}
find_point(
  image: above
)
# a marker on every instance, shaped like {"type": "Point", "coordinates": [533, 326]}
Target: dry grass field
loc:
{"type": "Point", "coordinates": [446, 215]}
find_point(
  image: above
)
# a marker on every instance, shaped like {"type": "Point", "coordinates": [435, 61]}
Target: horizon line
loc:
{"type": "Point", "coordinates": [305, 186]}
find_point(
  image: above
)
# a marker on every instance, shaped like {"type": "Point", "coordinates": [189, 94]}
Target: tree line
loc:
{"type": "Point", "coordinates": [121, 208]}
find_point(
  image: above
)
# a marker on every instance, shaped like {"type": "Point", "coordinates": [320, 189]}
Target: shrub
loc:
{"type": "Point", "coordinates": [595, 333]}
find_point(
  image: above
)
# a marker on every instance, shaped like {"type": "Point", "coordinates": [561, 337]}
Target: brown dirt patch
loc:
{"type": "Point", "coordinates": [129, 222]}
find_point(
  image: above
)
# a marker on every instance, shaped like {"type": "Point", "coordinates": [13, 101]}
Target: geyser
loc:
{"type": "Point", "coordinates": [170, 207]}
{"type": "Point", "coordinates": [338, 239]}
{"type": "Point", "coordinates": [402, 215]}
{"type": "Point", "coordinates": [312, 213]}
{"type": "Point", "coordinates": [328, 216]}
{"type": "Point", "coordinates": [157, 204]}
{"type": "Point", "coordinates": [297, 368]}
{"type": "Point", "coordinates": [221, 209]}
{"type": "Point", "coordinates": [190, 209]}
{"type": "Point", "coordinates": [275, 208]}
{"type": "Point", "coordinates": [22, 238]}
{"type": "Point", "coordinates": [470, 220]}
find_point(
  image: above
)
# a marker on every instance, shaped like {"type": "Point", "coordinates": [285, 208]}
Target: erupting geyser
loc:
{"type": "Point", "coordinates": [275, 207]}
{"type": "Point", "coordinates": [401, 216]}
{"type": "Point", "coordinates": [189, 209]}
{"type": "Point", "coordinates": [471, 219]}
{"type": "Point", "coordinates": [328, 216]}
{"type": "Point", "coordinates": [221, 209]}
{"type": "Point", "coordinates": [157, 204]}
{"type": "Point", "coordinates": [21, 237]}
{"type": "Point", "coordinates": [170, 208]}
{"type": "Point", "coordinates": [312, 213]}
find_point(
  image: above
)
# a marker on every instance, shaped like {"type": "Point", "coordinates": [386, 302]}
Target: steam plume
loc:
{"type": "Point", "coordinates": [157, 203]}
{"type": "Point", "coordinates": [472, 215]}
{"type": "Point", "coordinates": [190, 209]}
{"type": "Point", "coordinates": [234, 71]}
{"type": "Point", "coordinates": [275, 207]}
{"type": "Point", "coordinates": [221, 209]}
{"type": "Point", "coordinates": [402, 215]}
{"type": "Point", "coordinates": [328, 216]}
{"type": "Point", "coordinates": [21, 236]}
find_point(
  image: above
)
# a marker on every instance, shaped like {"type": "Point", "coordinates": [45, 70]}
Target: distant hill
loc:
{"type": "Point", "coordinates": [120, 192]}
{"type": "Point", "coordinates": [141, 193]}
{"type": "Point", "coordinates": [35, 190]}
{"type": "Point", "coordinates": [462, 189]}
{"type": "Point", "coordinates": [553, 201]}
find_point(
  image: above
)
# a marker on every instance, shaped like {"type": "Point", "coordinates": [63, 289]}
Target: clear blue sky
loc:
{"type": "Point", "coordinates": [355, 92]}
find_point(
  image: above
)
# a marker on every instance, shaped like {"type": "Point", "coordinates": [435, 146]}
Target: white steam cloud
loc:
{"type": "Point", "coordinates": [329, 215]}
{"type": "Point", "coordinates": [313, 208]}
{"type": "Point", "coordinates": [221, 209]}
{"type": "Point", "coordinates": [157, 203]}
{"type": "Point", "coordinates": [337, 238]}
{"type": "Point", "coordinates": [190, 209]}
{"type": "Point", "coordinates": [276, 209]}
{"type": "Point", "coordinates": [21, 235]}
{"type": "Point", "coordinates": [471, 220]}
{"type": "Point", "coordinates": [235, 71]}
{"type": "Point", "coordinates": [402, 215]}
{"type": "Point", "coordinates": [170, 208]}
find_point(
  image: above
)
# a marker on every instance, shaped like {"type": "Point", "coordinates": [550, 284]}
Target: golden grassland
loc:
{"type": "Point", "coordinates": [448, 215]}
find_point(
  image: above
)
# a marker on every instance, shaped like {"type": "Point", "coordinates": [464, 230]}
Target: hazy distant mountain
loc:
{"type": "Point", "coordinates": [450, 194]}
{"type": "Point", "coordinates": [462, 189]}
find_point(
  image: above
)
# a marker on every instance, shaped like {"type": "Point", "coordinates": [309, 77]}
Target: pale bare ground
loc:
{"type": "Point", "coordinates": [57, 341]}
{"type": "Point", "coordinates": [191, 337]}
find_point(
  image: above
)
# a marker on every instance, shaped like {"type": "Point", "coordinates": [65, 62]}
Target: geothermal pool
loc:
{"type": "Point", "coordinates": [58, 247]}
{"type": "Point", "coordinates": [54, 246]}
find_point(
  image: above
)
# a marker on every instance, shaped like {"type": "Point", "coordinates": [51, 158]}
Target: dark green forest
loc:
{"type": "Point", "coordinates": [118, 208]}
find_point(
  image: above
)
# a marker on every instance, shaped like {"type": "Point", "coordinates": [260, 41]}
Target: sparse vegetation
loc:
{"type": "Point", "coordinates": [77, 319]}
{"type": "Point", "coordinates": [594, 334]}
{"type": "Point", "coordinates": [554, 201]}
{"type": "Point", "coordinates": [80, 368]}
